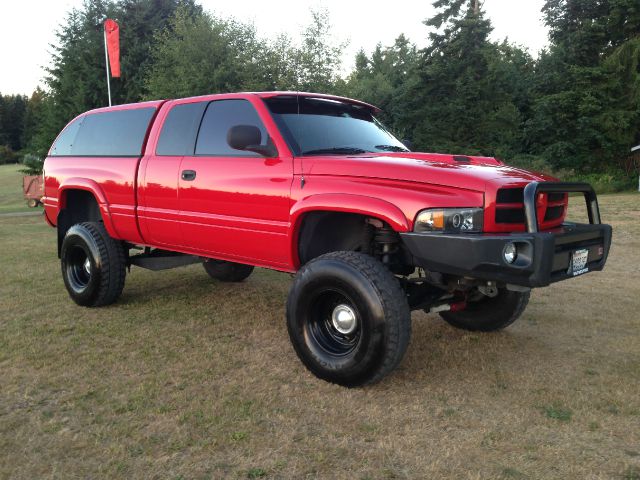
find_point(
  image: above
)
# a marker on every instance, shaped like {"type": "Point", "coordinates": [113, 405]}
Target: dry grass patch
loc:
{"type": "Point", "coordinates": [189, 378]}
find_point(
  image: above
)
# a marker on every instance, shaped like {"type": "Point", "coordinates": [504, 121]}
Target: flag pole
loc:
{"type": "Point", "coordinates": [106, 61]}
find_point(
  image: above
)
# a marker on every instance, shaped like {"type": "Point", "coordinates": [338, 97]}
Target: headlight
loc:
{"type": "Point", "coordinates": [449, 220]}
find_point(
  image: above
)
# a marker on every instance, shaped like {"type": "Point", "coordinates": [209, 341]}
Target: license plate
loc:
{"type": "Point", "coordinates": [578, 262]}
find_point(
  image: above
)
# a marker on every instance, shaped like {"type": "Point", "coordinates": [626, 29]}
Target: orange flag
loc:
{"type": "Point", "coordinates": [112, 31]}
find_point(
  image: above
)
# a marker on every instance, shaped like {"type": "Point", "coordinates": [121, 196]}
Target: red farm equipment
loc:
{"type": "Point", "coordinates": [33, 189]}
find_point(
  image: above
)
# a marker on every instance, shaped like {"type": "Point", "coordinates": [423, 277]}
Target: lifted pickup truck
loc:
{"type": "Point", "coordinates": [313, 184]}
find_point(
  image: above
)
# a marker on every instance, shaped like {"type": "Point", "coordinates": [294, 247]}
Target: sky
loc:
{"type": "Point", "coordinates": [29, 26]}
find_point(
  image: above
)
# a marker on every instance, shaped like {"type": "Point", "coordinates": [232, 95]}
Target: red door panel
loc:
{"type": "Point", "coordinates": [237, 207]}
{"type": "Point", "coordinates": [158, 213]}
{"type": "Point", "coordinates": [234, 204]}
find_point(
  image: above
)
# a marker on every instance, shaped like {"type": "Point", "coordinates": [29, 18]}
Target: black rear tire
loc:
{"type": "Point", "coordinates": [227, 271]}
{"type": "Point", "coordinates": [489, 314]}
{"type": "Point", "coordinates": [93, 265]}
{"type": "Point", "coordinates": [370, 338]}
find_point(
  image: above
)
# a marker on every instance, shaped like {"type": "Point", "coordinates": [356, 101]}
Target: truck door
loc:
{"type": "Point", "coordinates": [158, 207]}
{"type": "Point", "coordinates": [234, 205]}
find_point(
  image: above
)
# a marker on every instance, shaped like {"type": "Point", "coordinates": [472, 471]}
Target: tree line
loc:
{"type": "Point", "coordinates": [573, 110]}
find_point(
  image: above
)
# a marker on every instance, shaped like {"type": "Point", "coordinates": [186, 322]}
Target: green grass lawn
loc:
{"type": "Point", "coordinates": [11, 199]}
{"type": "Point", "coordinates": [189, 378]}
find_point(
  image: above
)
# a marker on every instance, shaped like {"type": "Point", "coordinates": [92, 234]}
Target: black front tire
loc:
{"type": "Point", "coordinates": [489, 314]}
{"type": "Point", "coordinates": [227, 271]}
{"type": "Point", "coordinates": [93, 265]}
{"type": "Point", "coordinates": [371, 339]}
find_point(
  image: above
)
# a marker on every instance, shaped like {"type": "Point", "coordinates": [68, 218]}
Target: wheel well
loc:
{"type": "Point", "coordinates": [325, 231]}
{"type": "Point", "coordinates": [80, 206]}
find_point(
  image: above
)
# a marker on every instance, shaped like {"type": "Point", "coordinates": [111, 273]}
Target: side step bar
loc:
{"type": "Point", "coordinates": [163, 260]}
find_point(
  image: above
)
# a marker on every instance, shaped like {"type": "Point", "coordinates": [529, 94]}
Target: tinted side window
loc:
{"type": "Point", "coordinates": [220, 116]}
{"type": "Point", "coordinates": [178, 135]}
{"type": "Point", "coordinates": [118, 133]}
{"type": "Point", "coordinates": [64, 142]}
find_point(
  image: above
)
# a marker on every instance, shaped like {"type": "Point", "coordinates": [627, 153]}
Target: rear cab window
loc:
{"type": "Point", "coordinates": [115, 133]}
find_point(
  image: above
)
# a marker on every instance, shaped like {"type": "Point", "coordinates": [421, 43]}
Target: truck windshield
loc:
{"type": "Point", "coordinates": [316, 126]}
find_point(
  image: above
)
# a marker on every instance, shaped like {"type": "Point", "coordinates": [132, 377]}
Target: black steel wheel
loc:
{"type": "Point", "coordinates": [489, 314]}
{"type": "Point", "coordinates": [348, 318]}
{"type": "Point", "coordinates": [227, 271]}
{"type": "Point", "coordinates": [78, 267]}
{"type": "Point", "coordinates": [334, 322]}
{"type": "Point", "coordinates": [93, 265]}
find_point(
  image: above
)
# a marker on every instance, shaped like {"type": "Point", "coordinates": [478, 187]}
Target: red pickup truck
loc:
{"type": "Point", "coordinates": [313, 184]}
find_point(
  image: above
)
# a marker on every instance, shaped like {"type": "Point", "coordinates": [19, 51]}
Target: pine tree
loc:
{"type": "Point", "coordinates": [76, 78]}
{"type": "Point", "coordinates": [461, 101]}
{"type": "Point", "coordinates": [139, 21]}
{"type": "Point", "coordinates": [12, 115]}
{"type": "Point", "coordinates": [382, 79]}
{"type": "Point", "coordinates": [201, 54]}
{"type": "Point", "coordinates": [584, 116]}
{"type": "Point", "coordinates": [33, 115]}
{"type": "Point", "coordinates": [317, 61]}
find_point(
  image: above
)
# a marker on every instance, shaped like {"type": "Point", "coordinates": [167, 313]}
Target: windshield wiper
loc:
{"type": "Point", "coordinates": [336, 150]}
{"type": "Point", "coordinates": [391, 148]}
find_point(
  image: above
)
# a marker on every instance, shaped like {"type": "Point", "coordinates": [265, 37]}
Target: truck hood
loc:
{"type": "Point", "coordinates": [470, 173]}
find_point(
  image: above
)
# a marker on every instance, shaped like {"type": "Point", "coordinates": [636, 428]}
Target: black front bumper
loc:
{"type": "Point", "coordinates": [543, 257]}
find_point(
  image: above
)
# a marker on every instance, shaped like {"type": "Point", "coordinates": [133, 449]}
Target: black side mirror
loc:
{"type": "Point", "coordinates": [408, 143]}
{"type": "Point", "coordinates": [249, 137]}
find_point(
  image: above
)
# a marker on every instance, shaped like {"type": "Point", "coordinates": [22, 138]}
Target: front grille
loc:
{"type": "Point", "coordinates": [553, 213]}
{"type": "Point", "coordinates": [510, 215]}
{"type": "Point", "coordinates": [556, 197]}
{"type": "Point", "coordinates": [510, 206]}
{"type": "Point", "coordinates": [510, 195]}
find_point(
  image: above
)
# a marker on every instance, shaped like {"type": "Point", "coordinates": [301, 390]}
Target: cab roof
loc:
{"type": "Point", "coordinates": [157, 103]}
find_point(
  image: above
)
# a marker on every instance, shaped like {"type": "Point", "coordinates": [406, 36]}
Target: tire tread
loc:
{"type": "Point", "coordinates": [393, 299]}
{"type": "Point", "coordinates": [488, 321]}
{"type": "Point", "coordinates": [113, 270]}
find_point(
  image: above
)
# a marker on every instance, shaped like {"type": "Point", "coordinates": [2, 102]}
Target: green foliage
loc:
{"type": "Point", "coordinates": [32, 164]}
{"type": "Point", "coordinates": [12, 113]}
{"type": "Point", "coordinates": [604, 182]}
{"type": "Point", "coordinates": [7, 155]}
{"type": "Point", "coordinates": [559, 413]}
{"type": "Point", "coordinates": [76, 78]}
{"type": "Point", "coordinates": [33, 115]}
{"type": "Point", "coordinates": [200, 54]}
{"type": "Point", "coordinates": [139, 21]}
{"type": "Point", "coordinates": [468, 95]}
{"type": "Point", "coordinates": [608, 181]}
{"type": "Point", "coordinates": [317, 61]}
{"type": "Point", "coordinates": [585, 99]}
{"type": "Point", "coordinates": [632, 472]}
{"type": "Point", "coordinates": [256, 472]}
{"type": "Point", "coordinates": [383, 79]}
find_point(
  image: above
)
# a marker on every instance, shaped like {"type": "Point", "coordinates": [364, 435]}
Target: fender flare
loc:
{"type": "Point", "coordinates": [347, 203]}
{"type": "Point", "coordinates": [91, 186]}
